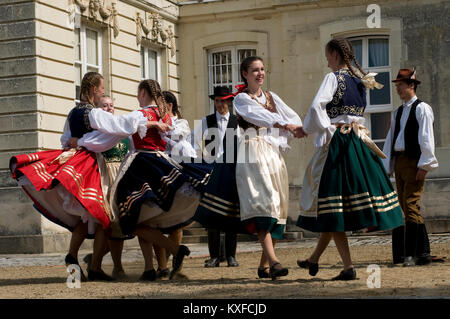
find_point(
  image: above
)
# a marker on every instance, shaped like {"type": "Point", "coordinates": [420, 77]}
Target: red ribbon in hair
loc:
{"type": "Point", "coordinates": [240, 88]}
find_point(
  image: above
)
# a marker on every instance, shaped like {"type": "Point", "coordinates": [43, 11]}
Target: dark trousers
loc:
{"type": "Point", "coordinates": [215, 246]}
{"type": "Point", "coordinates": [412, 238]}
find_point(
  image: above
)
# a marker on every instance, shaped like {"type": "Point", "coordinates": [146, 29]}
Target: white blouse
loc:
{"type": "Point", "coordinates": [178, 139]}
{"type": "Point", "coordinates": [317, 121]}
{"type": "Point", "coordinates": [108, 129]}
{"type": "Point", "coordinates": [254, 113]}
{"type": "Point", "coordinates": [425, 118]}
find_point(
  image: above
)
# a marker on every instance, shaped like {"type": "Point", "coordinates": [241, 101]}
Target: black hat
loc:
{"type": "Point", "coordinates": [220, 91]}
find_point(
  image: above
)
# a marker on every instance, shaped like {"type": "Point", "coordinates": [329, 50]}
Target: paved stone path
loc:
{"type": "Point", "coordinates": [198, 250]}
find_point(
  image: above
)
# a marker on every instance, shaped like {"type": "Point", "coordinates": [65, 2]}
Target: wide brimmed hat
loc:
{"type": "Point", "coordinates": [221, 91]}
{"type": "Point", "coordinates": [407, 75]}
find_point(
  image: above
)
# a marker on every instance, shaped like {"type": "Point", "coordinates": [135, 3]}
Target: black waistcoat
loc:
{"type": "Point", "coordinates": [79, 120]}
{"type": "Point", "coordinates": [412, 147]}
{"type": "Point", "coordinates": [211, 122]}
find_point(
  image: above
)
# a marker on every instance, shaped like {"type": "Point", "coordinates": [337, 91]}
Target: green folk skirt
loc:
{"type": "Point", "coordinates": [355, 191]}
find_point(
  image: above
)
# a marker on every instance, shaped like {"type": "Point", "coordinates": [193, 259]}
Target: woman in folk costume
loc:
{"type": "Point", "coordinates": [266, 123]}
{"type": "Point", "coordinates": [178, 148]}
{"type": "Point", "coordinates": [153, 193]}
{"type": "Point", "coordinates": [109, 167]}
{"type": "Point", "coordinates": [345, 187]}
{"type": "Point", "coordinates": [66, 187]}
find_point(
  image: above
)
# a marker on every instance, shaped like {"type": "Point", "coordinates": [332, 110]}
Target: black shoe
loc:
{"type": "Point", "coordinates": [162, 273]}
{"type": "Point", "coordinates": [99, 276]}
{"type": "Point", "coordinates": [232, 262]}
{"type": "Point", "coordinates": [263, 272]}
{"type": "Point", "coordinates": [70, 260]}
{"type": "Point", "coordinates": [149, 275]}
{"type": "Point", "coordinates": [178, 260]}
{"type": "Point", "coordinates": [276, 270]}
{"type": "Point", "coordinates": [213, 262]}
{"type": "Point", "coordinates": [313, 268]}
{"type": "Point", "coordinates": [349, 274]}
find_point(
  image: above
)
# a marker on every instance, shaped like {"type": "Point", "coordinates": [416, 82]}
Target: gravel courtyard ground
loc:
{"type": "Point", "coordinates": [44, 276]}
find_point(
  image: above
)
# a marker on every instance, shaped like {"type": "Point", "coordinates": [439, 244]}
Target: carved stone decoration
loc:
{"type": "Point", "coordinates": [115, 20]}
{"type": "Point", "coordinates": [71, 10]}
{"type": "Point", "coordinates": [94, 6]}
{"type": "Point", "coordinates": [145, 27]}
{"type": "Point", "coordinates": [157, 25]}
{"type": "Point", "coordinates": [171, 44]}
{"type": "Point", "coordinates": [104, 12]}
{"type": "Point", "coordinates": [81, 5]}
{"type": "Point", "coordinates": [138, 29]}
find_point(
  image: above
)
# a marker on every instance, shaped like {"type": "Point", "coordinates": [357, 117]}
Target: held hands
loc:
{"type": "Point", "coordinates": [297, 131]}
{"type": "Point", "coordinates": [162, 127]}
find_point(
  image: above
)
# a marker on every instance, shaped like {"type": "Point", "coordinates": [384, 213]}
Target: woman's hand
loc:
{"type": "Point", "coordinates": [162, 127]}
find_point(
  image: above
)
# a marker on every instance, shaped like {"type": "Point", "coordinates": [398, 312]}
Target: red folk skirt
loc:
{"type": "Point", "coordinates": [63, 192]}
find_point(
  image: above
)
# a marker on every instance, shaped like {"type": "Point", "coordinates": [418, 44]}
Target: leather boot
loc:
{"type": "Point", "coordinates": [423, 246]}
{"type": "Point", "coordinates": [398, 244]}
{"type": "Point", "coordinates": [411, 234]}
{"type": "Point", "coordinates": [214, 248]}
{"type": "Point", "coordinates": [230, 249]}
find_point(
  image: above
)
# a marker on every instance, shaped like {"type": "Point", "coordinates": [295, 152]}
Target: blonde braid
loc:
{"type": "Point", "coordinates": [349, 56]}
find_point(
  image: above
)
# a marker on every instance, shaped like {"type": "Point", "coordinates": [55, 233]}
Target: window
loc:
{"type": "Point", "coordinates": [150, 64]}
{"type": "Point", "coordinates": [88, 54]}
{"type": "Point", "coordinates": [372, 54]}
{"type": "Point", "coordinates": [223, 67]}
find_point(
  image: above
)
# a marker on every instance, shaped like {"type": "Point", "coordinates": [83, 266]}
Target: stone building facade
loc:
{"type": "Point", "coordinates": [191, 46]}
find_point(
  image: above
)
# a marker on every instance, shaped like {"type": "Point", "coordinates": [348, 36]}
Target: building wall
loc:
{"type": "Point", "coordinates": [291, 36]}
{"type": "Point", "coordinates": [37, 87]}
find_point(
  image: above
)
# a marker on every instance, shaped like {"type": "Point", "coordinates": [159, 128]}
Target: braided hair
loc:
{"type": "Point", "coordinates": [90, 80]}
{"type": "Point", "coordinates": [154, 91]}
{"type": "Point", "coordinates": [345, 50]}
{"type": "Point", "coordinates": [169, 97]}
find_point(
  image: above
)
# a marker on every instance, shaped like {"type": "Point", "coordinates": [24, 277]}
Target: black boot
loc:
{"type": "Point", "coordinates": [411, 234]}
{"type": "Point", "coordinates": [230, 249]}
{"type": "Point", "coordinates": [423, 246]}
{"type": "Point", "coordinates": [214, 248]}
{"type": "Point", "coordinates": [398, 244]}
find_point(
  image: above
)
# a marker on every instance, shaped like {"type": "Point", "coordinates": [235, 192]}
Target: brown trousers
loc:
{"type": "Point", "coordinates": [409, 189]}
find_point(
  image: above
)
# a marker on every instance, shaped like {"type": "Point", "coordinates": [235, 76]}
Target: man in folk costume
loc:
{"type": "Point", "coordinates": [410, 155]}
{"type": "Point", "coordinates": [220, 120]}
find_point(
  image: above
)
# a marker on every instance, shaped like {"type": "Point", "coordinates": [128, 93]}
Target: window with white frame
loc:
{"type": "Point", "coordinates": [88, 54]}
{"type": "Point", "coordinates": [372, 53]}
{"type": "Point", "coordinates": [223, 67]}
{"type": "Point", "coordinates": [150, 64]}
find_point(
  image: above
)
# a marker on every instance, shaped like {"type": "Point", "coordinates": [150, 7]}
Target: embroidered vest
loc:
{"type": "Point", "coordinates": [152, 140]}
{"type": "Point", "coordinates": [412, 147]}
{"type": "Point", "coordinates": [79, 120]}
{"type": "Point", "coordinates": [350, 96]}
{"type": "Point", "coordinates": [118, 152]}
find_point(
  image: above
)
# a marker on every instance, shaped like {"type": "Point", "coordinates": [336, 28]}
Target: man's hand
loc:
{"type": "Point", "coordinates": [299, 132]}
{"type": "Point", "coordinates": [72, 143]}
{"type": "Point", "coordinates": [421, 173]}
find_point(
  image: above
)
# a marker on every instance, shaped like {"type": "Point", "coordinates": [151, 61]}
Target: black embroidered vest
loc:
{"type": "Point", "coordinates": [349, 98]}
